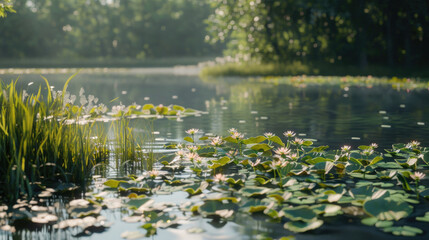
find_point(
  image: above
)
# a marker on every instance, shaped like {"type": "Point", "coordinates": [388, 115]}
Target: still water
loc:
{"type": "Point", "coordinates": [332, 115]}
{"type": "Point", "coordinates": [327, 114]}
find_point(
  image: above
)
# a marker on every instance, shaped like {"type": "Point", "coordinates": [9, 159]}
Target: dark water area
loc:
{"type": "Point", "coordinates": [328, 114]}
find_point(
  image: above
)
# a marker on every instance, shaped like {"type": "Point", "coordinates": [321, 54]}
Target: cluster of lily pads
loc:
{"type": "Point", "coordinates": [285, 180]}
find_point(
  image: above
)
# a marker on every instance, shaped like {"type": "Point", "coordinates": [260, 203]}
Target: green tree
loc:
{"type": "Point", "coordinates": [5, 7]}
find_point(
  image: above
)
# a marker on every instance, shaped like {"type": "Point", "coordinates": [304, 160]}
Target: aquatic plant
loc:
{"type": "Point", "coordinates": [59, 138]}
{"type": "Point", "coordinates": [293, 183]}
{"type": "Point", "coordinates": [39, 143]}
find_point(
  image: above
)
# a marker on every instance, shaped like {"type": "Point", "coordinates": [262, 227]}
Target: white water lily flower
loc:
{"type": "Point", "coordinates": [256, 163]}
{"type": "Point", "coordinates": [417, 176]}
{"type": "Point", "coordinates": [374, 145]}
{"type": "Point", "coordinates": [237, 135]}
{"type": "Point", "coordinates": [232, 131]}
{"type": "Point", "coordinates": [219, 177]}
{"type": "Point", "coordinates": [345, 148]}
{"type": "Point", "coordinates": [413, 144]}
{"type": "Point", "coordinates": [192, 131]}
{"type": "Point", "coordinates": [216, 141]}
{"type": "Point", "coordinates": [289, 134]}
{"type": "Point", "coordinates": [269, 134]}
{"type": "Point", "coordinates": [298, 141]}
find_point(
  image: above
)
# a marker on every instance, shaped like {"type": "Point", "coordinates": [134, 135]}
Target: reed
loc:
{"type": "Point", "coordinates": [43, 141]}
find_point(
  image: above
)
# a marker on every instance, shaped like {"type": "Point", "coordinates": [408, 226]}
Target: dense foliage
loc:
{"type": "Point", "coordinates": [132, 29]}
{"type": "Point", "coordinates": [5, 6]}
{"type": "Point", "coordinates": [350, 32]}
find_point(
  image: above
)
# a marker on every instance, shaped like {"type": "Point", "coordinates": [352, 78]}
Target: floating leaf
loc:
{"type": "Point", "coordinates": [302, 213]}
{"type": "Point", "coordinates": [113, 183]}
{"type": "Point", "coordinates": [387, 209]}
{"type": "Point", "coordinates": [407, 231]}
{"type": "Point", "coordinates": [254, 191]}
{"type": "Point", "coordinates": [327, 209]}
{"type": "Point", "coordinates": [369, 221]}
{"type": "Point", "coordinates": [213, 208]}
{"type": "Point", "coordinates": [299, 226]}
{"type": "Point", "coordinates": [425, 218]}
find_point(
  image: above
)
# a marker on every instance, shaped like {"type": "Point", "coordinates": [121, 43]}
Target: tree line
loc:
{"type": "Point", "coordinates": [106, 29]}
{"type": "Point", "coordinates": [354, 32]}
{"type": "Point", "coordinates": [362, 32]}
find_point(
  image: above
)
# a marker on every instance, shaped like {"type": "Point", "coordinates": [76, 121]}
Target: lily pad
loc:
{"type": "Point", "coordinates": [384, 209]}
{"type": "Point", "coordinates": [300, 226]}
{"type": "Point", "coordinates": [302, 213]}
{"type": "Point", "coordinates": [425, 218]}
{"type": "Point", "coordinates": [254, 191]}
{"type": "Point", "coordinates": [213, 208]}
{"type": "Point", "coordinates": [407, 231]}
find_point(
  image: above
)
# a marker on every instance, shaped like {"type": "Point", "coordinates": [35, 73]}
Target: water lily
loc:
{"type": "Point", "coordinates": [413, 144]}
{"type": "Point", "coordinates": [293, 157]}
{"type": "Point", "coordinates": [219, 177]}
{"type": "Point", "coordinates": [192, 131]}
{"type": "Point", "coordinates": [232, 131]}
{"type": "Point", "coordinates": [192, 148]}
{"type": "Point", "coordinates": [269, 134]}
{"type": "Point", "coordinates": [345, 148]}
{"type": "Point", "coordinates": [256, 163]}
{"type": "Point", "coordinates": [289, 134]}
{"type": "Point", "coordinates": [374, 145]}
{"type": "Point", "coordinates": [368, 152]}
{"type": "Point", "coordinates": [298, 141]}
{"type": "Point", "coordinates": [153, 174]}
{"type": "Point", "coordinates": [237, 135]}
{"type": "Point", "coordinates": [282, 151]}
{"type": "Point", "coordinates": [417, 176]}
{"type": "Point", "coordinates": [180, 154]}
{"type": "Point", "coordinates": [216, 141]}
{"type": "Point", "coordinates": [193, 156]}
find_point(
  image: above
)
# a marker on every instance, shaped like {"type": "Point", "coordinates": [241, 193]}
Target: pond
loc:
{"type": "Point", "coordinates": [334, 115]}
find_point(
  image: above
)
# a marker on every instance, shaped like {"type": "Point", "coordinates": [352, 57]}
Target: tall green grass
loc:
{"type": "Point", "coordinates": [39, 144]}
{"type": "Point", "coordinates": [46, 139]}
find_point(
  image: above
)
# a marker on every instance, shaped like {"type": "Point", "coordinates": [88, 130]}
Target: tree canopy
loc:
{"type": "Point", "coordinates": [106, 28]}
{"type": "Point", "coordinates": [350, 31]}
{"type": "Point", "coordinates": [5, 6]}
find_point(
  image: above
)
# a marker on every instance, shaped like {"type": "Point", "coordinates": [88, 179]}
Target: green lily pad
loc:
{"type": "Point", "coordinates": [113, 183]}
{"type": "Point", "coordinates": [302, 213]}
{"type": "Point", "coordinates": [369, 221]}
{"type": "Point", "coordinates": [253, 206]}
{"type": "Point", "coordinates": [254, 140]}
{"type": "Point", "coordinates": [425, 218]}
{"type": "Point", "coordinates": [213, 208]}
{"type": "Point", "coordinates": [384, 209]}
{"type": "Point", "coordinates": [300, 226]}
{"type": "Point", "coordinates": [407, 231]}
{"type": "Point", "coordinates": [197, 188]}
{"type": "Point", "coordinates": [254, 191]}
{"type": "Point", "coordinates": [327, 209]}
{"type": "Point", "coordinates": [384, 224]}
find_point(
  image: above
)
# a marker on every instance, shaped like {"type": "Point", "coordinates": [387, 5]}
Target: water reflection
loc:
{"type": "Point", "coordinates": [332, 114]}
